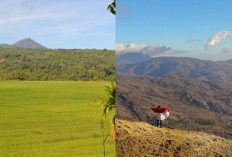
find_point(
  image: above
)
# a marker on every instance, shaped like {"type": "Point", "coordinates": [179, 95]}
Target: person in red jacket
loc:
{"type": "Point", "coordinates": [161, 114]}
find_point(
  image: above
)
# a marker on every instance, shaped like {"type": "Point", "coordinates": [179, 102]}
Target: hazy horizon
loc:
{"type": "Point", "coordinates": [55, 47]}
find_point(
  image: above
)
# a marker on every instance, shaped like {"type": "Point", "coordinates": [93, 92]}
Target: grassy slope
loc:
{"type": "Point", "coordinates": [142, 139]}
{"type": "Point", "coordinates": [51, 118]}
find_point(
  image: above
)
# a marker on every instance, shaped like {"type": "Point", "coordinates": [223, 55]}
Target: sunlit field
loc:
{"type": "Point", "coordinates": [52, 119]}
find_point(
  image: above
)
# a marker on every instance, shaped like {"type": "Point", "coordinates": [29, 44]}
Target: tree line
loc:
{"type": "Point", "coordinates": [59, 64]}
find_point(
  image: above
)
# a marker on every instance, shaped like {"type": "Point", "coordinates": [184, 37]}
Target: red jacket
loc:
{"type": "Point", "coordinates": [160, 110]}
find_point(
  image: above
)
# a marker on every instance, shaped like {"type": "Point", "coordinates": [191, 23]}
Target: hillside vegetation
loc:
{"type": "Point", "coordinates": [194, 104]}
{"type": "Point", "coordinates": [61, 64]}
{"type": "Point", "coordinates": [142, 139]}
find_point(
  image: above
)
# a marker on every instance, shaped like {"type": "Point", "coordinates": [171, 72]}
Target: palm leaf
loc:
{"type": "Point", "coordinates": [108, 104]}
{"type": "Point", "coordinates": [112, 7]}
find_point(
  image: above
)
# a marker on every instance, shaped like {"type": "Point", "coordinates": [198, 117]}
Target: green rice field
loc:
{"type": "Point", "coordinates": [52, 119]}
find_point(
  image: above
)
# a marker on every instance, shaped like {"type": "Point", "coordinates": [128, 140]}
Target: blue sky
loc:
{"type": "Point", "coordinates": [58, 23]}
{"type": "Point", "coordinates": [185, 28]}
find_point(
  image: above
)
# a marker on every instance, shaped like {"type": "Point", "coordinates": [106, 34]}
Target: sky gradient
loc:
{"type": "Point", "coordinates": [185, 27]}
{"type": "Point", "coordinates": [58, 23]}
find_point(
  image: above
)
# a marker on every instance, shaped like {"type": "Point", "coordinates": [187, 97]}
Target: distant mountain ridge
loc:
{"type": "Point", "coordinates": [131, 58]}
{"type": "Point", "coordinates": [191, 67]}
{"type": "Point", "coordinates": [25, 43]}
{"type": "Point", "coordinates": [229, 61]}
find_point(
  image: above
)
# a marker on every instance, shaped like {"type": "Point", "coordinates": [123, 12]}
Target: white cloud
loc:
{"type": "Point", "coordinates": [22, 18]}
{"type": "Point", "coordinates": [151, 50]}
{"type": "Point", "coordinates": [121, 48]}
{"type": "Point", "coordinates": [217, 38]}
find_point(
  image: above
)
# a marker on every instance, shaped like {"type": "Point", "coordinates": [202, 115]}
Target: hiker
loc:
{"type": "Point", "coordinates": [159, 117]}
{"type": "Point", "coordinates": [161, 114]}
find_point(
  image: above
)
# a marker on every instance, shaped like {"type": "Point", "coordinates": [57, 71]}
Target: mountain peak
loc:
{"type": "Point", "coordinates": [27, 43]}
{"type": "Point", "coordinates": [27, 39]}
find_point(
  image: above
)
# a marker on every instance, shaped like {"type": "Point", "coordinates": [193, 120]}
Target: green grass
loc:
{"type": "Point", "coordinates": [52, 119]}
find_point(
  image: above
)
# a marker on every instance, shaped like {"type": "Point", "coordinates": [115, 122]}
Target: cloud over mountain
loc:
{"type": "Point", "coordinates": [151, 50]}
{"type": "Point", "coordinates": [217, 38]}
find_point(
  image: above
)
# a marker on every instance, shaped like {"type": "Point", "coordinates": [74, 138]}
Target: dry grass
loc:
{"type": "Point", "coordinates": [142, 139]}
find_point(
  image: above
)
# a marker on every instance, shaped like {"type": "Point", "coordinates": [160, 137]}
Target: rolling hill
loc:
{"type": "Point", "coordinates": [142, 139]}
{"type": "Point", "coordinates": [5, 46]}
{"type": "Point", "coordinates": [195, 104]}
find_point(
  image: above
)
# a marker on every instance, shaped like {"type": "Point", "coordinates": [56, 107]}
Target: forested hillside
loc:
{"type": "Point", "coordinates": [61, 64]}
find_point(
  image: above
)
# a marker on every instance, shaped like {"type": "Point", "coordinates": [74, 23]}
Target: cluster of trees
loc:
{"type": "Point", "coordinates": [61, 64]}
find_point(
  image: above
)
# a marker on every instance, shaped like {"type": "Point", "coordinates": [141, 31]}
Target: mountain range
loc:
{"type": "Point", "coordinates": [131, 58]}
{"type": "Point", "coordinates": [136, 57]}
{"type": "Point", "coordinates": [25, 43]}
{"type": "Point", "coordinates": [195, 68]}
{"type": "Point", "coordinates": [198, 93]}
{"type": "Point", "coordinates": [194, 104]}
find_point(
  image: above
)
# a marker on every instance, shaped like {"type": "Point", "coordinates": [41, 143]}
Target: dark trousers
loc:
{"type": "Point", "coordinates": [159, 123]}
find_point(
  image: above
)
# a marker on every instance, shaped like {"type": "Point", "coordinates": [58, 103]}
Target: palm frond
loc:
{"type": "Point", "coordinates": [108, 104]}
{"type": "Point", "coordinates": [112, 7]}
